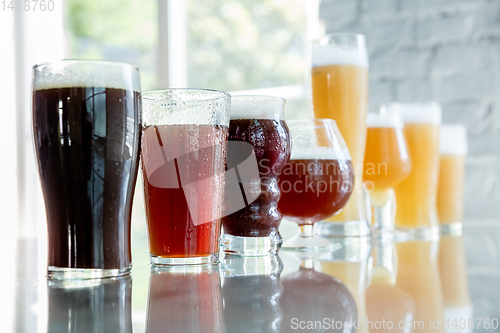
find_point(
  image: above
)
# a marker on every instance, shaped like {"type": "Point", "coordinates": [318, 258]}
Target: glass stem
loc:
{"type": "Point", "coordinates": [382, 215]}
{"type": "Point", "coordinates": [307, 263]}
{"type": "Point", "coordinates": [306, 230]}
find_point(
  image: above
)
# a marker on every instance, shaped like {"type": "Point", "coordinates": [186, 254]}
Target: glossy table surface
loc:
{"type": "Point", "coordinates": [362, 286]}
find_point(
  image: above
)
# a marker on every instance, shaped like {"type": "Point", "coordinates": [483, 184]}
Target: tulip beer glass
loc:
{"type": "Point", "coordinates": [317, 181]}
{"type": "Point", "coordinates": [387, 163]}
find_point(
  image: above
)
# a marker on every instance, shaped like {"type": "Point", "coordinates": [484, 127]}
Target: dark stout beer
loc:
{"type": "Point", "coordinates": [87, 141]}
{"type": "Point", "coordinates": [270, 140]}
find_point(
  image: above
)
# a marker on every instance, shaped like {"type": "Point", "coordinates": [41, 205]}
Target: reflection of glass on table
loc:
{"type": "Point", "coordinates": [90, 305]}
{"type": "Point", "coordinates": [385, 300]}
{"type": "Point", "coordinates": [418, 275]}
{"type": "Point", "coordinates": [184, 299]}
{"type": "Point", "coordinates": [251, 293]}
{"type": "Point", "coordinates": [453, 273]}
{"type": "Point", "coordinates": [349, 264]}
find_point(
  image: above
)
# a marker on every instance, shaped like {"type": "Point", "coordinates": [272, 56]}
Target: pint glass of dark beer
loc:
{"type": "Point", "coordinates": [184, 143]}
{"type": "Point", "coordinates": [258, 148]}
{"type": "Point", "coordinates": [86, 126]}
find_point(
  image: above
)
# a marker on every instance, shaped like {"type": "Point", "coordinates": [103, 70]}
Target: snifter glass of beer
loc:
{"type": "Point", "coordinates": [340, 92]}
{"type": "Point", "coordinates": [450, 197]}
{"type": "Point", "coordinates": [416, 212]}
{"type": "Point", "coordinates": [183, 157]}
{"type": "Point", "coordinates": [258, 148]}
{"type": "Point", "coordinates": [86, 126]}
{"type": "Point", "coordinates": [317, 181]}
{"type": "Point", "coordinates": [387, 163]}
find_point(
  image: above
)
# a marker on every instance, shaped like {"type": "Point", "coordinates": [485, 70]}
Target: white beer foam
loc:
{"type": "Point", "coordinates": [324, 55]}
{"type": "Point", "coordinates": [102, 74]}
{"type": "Point", "coordinates": [424, 113]}
{"type": "Point", "coordinates": [257, 107]}
{"type": "Point", "coordinates": [319, 153]}
{"type": "Point", "coordinates": [384, 119]}
{"type": "Point", "coordinates": [453, 139]}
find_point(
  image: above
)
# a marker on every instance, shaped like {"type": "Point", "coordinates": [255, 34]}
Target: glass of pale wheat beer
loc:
{"type": "Point", "coordinates": [450, 197]}
{"type": "Point", "coordinates": [86, 127]}
{"type": "Point", "coordinates": [183, 156]}
{"type": "Point", "coordinates": [340, 92]}
{"type": "Point", "coordinates": [416, 213]}
{"type": "Point", "coordinates": [387, 163]}
{"type": "Point", "coordinates": [317, 181]}
{"type": "Point", "coordinates": [258, 148]}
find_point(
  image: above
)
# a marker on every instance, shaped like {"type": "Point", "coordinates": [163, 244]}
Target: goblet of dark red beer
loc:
{"type": "Point", "coordinates": [317, 181]}
{"type": "Point", "coordinates": [86, 126]}
{"type": "Point", "coordinates": [258, 148]}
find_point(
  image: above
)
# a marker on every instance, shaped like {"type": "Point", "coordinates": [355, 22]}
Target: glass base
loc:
{"type": "Point", "coordinates": [309, 243]}
{"type": "Point", "coordinates": [64, 273]}
{"type": "Point", "coordinates": [451, 229]}
{"type": "Point", "coordinates": [343, 229]}
{"type": "Point", "coordinates": [210, 259]}
{"type": "Point", "coordinates": [250, 246]}
{"type": "Point", "coordinates": [184, 269]}
{"type": "Point", "coordinates": [422, 233]}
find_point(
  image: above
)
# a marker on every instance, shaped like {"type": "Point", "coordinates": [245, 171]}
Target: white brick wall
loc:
{"type": "Point", "coordinates": [447, 51]}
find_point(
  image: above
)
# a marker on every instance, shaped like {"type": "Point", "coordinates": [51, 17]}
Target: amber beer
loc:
{"type": "Point", "coordinates": [183, 155]}
{"type": "Point", "coordinates": [387, 161]}
{"type": "Point", "coordinates": [416, 195]}
{"type": "Point", "coordinates": [314, 185]}
{"type": "Point", "coordinates": [340, 92]}
{"type": "Point", "coordinates": [453, 151]}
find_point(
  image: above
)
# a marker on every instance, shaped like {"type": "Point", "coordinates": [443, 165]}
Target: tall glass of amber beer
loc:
{"type": "Point", "coordinates": [86, 128]}
{"type": "Point", "coordinates": [416, 212]}
{"type": "Point", "coordinates": [450, 198]}
{"type": "Point", "coordinates": [340, 92]}
{"type": "Point", "coordinates": [183, 156]}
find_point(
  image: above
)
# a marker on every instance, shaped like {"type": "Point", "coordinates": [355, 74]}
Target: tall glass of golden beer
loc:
{"type": "Point", "coordinates": [416, 195]}
{"type": "Point", "coordinates": [340, 92]}
{"type": "Point", "coordinates": [387, 163]}
{"type": "Point", "coordinates": [450, 198]}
